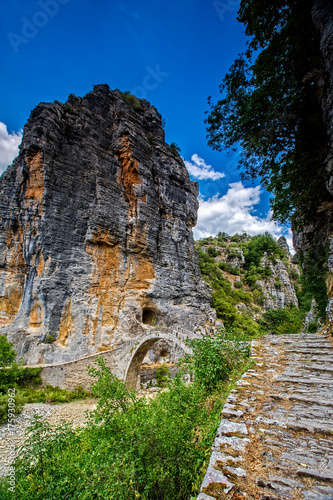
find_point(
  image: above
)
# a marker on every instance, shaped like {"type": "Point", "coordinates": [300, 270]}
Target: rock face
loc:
{"type": "Point", "coordinates": [96, 238]}
{"type": "Point", "coordinates": [278, 289]}
{"type": "Point", "coordinates": [322, 14]}
{"type": "Point", "coordinates": [313, 238]}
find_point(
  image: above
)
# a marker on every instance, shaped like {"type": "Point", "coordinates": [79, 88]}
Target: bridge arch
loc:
{"type": "Point", "coordinates": [140, 350]}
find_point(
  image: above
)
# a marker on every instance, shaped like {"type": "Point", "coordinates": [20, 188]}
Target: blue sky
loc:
{"type": "Point", "coordinates": [172, 53]}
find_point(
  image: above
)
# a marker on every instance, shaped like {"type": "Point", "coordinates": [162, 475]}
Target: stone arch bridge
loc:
{"type": "Point", "coordinates": [123, 361]}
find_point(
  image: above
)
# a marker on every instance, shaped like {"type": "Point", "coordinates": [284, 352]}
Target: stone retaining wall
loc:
{"type": "Point", "coordinates": [74, 374]}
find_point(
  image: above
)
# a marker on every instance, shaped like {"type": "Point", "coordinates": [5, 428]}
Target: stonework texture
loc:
{"type": "Point", "coordinates": [96, 244]}
{"type": "Point", "coordinates": [275, 439]}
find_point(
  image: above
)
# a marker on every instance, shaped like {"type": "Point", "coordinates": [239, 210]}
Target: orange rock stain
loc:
{"type": "Point", "coordinates": [36, 314]}
{"type": "Point", "coordinates": [129, 176]}
{"type": "Point", "coordinates": [66, 324]}
{"type": "Point", "coordinates": [35, 181]}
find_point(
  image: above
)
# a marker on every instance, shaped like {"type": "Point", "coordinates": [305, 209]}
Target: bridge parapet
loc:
{"type": "Point", "coordinates": [124, 361]}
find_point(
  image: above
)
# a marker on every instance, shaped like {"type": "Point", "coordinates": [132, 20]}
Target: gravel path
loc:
{"type": "Point", "coordinates": [275, 440]}
{"type": "Point", "coordinates": [73, 411]}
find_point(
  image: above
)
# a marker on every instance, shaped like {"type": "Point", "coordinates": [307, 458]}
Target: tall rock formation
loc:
{"type": "Point", "coordinates": [313, 236]}
{"type": "Point", "coordinates": [96, 240]}
{"type": "Point", "coordinates": [322, 14]}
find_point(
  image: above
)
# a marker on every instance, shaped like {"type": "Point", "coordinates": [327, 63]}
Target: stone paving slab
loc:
{"type": "Point", "coordinates": [275, 439]}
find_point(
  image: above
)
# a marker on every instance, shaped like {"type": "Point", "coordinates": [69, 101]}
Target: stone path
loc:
{"type": "Point", "coordinates": [275, 440]}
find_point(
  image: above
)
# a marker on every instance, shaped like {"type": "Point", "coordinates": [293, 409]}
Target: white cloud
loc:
{"type": "Point", "coordinates": [233, 213]}
{"type": "Point", "coordinates": [201, 171]}
{"type": "Point", "coordinates": [9, 144]}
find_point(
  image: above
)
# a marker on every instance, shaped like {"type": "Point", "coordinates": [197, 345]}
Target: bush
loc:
{"type": "Point", "coordinates": [214, 357]}
{"type": "Point", "coordinates": [7, 353]}
{"type": "Point", "coordinates": [212, 252]}
{"type": "Point", "coordinates": [278, 284]}
{"type": "Point", "coordinates": [312, 327]}
{"type": "Point", "coordinates": [18, 376]}
{"type": "Point", "coordinates": [162, 375]}
{"type": "Point", "coordinates": [49, 339]}
{"type": "Point", "coordinates": [264, 243]}
{"type": "Point", "coordinates": [132, 100]}
{"type": "Point", "coordinates": [258, 297]}
{"type": "Point", "coordinates": [19, 402]}
{"type": "Point", "coordinates": [175, 149]}
{"type": "Point", "coordinates": [229, 268]}
{"type": "Point", "coordinates": [150, 139]}
{"type": "Point", "coordinates": [283, 320]}
{"type": "Point", "coordinates": [50, 394]}
{"type": "Point", "coordinates": [25, 381]}
{"type": "Point", "coordinates": [238, 284]}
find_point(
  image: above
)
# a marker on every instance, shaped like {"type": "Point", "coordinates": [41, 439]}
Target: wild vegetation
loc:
{"type": "Point", "coordinates": [27, 383]}
{"type": "Point", "coordinates": [132, 448]}
{"type": "Point", "coordinates": [237, 289]}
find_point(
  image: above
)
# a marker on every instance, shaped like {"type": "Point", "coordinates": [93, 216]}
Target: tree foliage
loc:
{"type": "Point", "coordinates": [7, 353]}
{"type": "Point", "coordinates": [263, 243]}
{"type": "Point", "coordinates": [270, 106]}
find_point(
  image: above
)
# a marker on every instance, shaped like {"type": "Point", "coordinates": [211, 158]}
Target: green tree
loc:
{"type": "Point", "coordinates": [7, 353]}
{"type": "Point", "coordinates": [263, 243]}
{"type": "Point", "coordinates": [271, 109]}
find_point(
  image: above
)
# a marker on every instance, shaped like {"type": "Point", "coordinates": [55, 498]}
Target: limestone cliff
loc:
{"type": "Point", "coordinates": [243, 290]}
{"type": "Point", "coordinates": [322, 14]}
{"type": "Point", "coordinates": [96, 238]}
{"type": "Point", "coordinates": [313, 236]}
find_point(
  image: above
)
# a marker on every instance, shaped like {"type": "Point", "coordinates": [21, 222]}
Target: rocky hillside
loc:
{"type": "Point", "coordinates": [250, 278]}
{"type": "Point", "coordinates": [96, 240]}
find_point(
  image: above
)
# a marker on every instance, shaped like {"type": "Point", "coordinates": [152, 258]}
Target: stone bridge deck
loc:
{"type": "Point", "coordinates": [275, 440]}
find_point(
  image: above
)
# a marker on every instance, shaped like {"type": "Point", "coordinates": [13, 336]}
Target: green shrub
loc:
{"type": "Point", "coordinates": [19, 402]}
{"type": "Point", "coordinates": [50, 394]}
{"type": "Point", "coordinates": [175, 149]}
{"type": "Point", "coordinates": [162, 375]}
{"type": "Point", "coordinates": [7, 353]}
{"type": "Point", "coordinates": [229, 268]}
{"type": "Point", "coordinates": [258, 297]}
{"type": "Point", "coordinates": [212, 252]}
{"type": "Point", "coordinates": [132, 100]}
{"type": "Point", "coordinates": [214, 357]}
{"type": "Point", "coordinates": [238, 284]}
{"type": "Point", "coordinates": [18, 376]}
{"type": "Point", "coordinates": [233, 255]}
{"type": "Point", "coordinates": [312, 327]}
{"type": "Point", "coordinates": [294, 275]}
{"type": "Point", "coordinates": [283, 320]}
{"type": "Point", "coordinates": [49, 339]}
{"type": "Point", "coordinates": [264, 243]}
